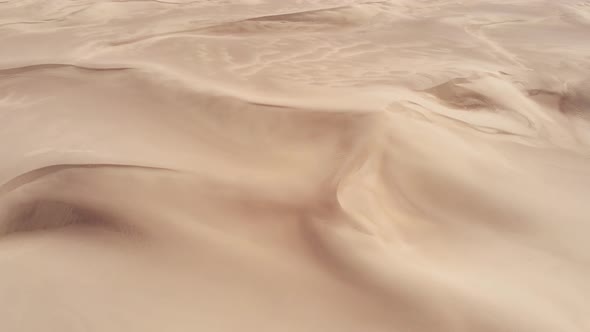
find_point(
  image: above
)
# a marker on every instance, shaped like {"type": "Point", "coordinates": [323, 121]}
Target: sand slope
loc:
{"type": "Point", "coordinates": [310, 165]}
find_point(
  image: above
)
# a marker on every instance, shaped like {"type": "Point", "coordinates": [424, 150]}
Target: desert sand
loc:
{"type": "Point", "coordinates": [294, 165]}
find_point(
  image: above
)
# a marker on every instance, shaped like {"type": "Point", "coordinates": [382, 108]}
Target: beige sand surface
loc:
{"type": "Point", "coordinates": [294, 166]}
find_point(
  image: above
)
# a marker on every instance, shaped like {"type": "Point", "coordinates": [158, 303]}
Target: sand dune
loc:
{"type": "Point", "coordinates": [310, 165]}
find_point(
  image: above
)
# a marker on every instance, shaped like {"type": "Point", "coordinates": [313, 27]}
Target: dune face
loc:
{"type": "Point", "coordinates": [310, 165]}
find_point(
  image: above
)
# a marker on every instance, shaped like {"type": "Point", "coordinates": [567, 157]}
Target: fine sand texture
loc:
{"type": "Point", "coordinates": [294, 166]}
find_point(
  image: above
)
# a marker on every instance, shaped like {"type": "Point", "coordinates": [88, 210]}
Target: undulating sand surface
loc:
{"type": "Point", "coordinates": [294, 166]}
